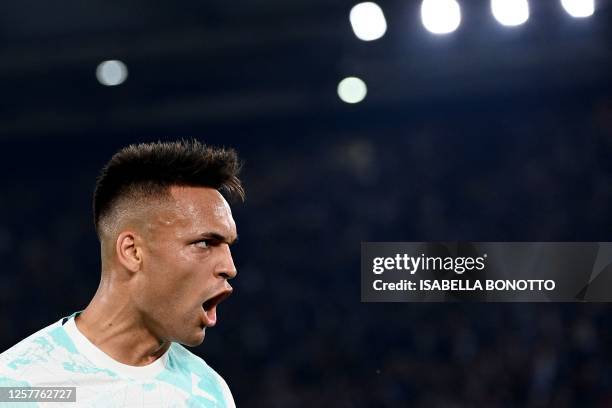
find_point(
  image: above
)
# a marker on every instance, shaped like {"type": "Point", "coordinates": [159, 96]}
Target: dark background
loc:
{"type": "Point", "coordinates": [487, 134]}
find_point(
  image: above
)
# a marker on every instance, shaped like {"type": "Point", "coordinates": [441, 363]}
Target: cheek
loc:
{"type": "Point", "coordinates": [156, 280]}
{"type": "Point", "coordinates": [174, 282]}
{"type": "Point", "coordinates": [176, 277]}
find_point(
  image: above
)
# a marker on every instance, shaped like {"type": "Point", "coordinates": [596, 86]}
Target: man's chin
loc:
{"type": "Point", "coordinates": [194, 340]}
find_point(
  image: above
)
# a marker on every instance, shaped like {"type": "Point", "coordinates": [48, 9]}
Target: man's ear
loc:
{"type": "Point", "coordinates": [128, 254]}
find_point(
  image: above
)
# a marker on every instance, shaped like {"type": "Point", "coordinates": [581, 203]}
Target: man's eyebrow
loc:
{"type": "Point", "coordinates": [219, 237]}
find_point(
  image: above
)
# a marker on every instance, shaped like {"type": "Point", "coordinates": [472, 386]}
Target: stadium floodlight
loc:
{"type": "Point", "coordinates": [111, 73]}
{"type": "Point", "coordinates": [440, 16]}
{"type": "Point", "coordinates": [579, 8]}
{"type": "Point", "coordinates": [368, 21]}
{"type": "Point", "coordinates": [352, 90]}
{"type": "Point", "coordinates": [510, 12]}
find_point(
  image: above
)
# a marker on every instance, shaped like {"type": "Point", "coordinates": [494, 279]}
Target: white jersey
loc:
{"type": "Point", "coordinates": [60, 355]}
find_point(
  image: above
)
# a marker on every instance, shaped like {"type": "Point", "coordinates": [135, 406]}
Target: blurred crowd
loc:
{"type": "Point", "coordinates": [295, 332]}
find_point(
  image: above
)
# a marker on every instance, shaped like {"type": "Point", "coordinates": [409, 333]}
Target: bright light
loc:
{"type": "Point", "coordinates": [510, 12]}
{"type": "Point", "coordinates": [368, 21]}
{"type": "Point", "coordinates": [440, 16]}
{"type": "Point", "coordinates": [579, 8]}
{"type": "Point", "coordinates": [111, 73]}
{"type": "Point", "coordinates": [352, 90]}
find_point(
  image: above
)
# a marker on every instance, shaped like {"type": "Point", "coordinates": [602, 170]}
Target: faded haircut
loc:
{"type": "Point", "coordinates": [148, 170]}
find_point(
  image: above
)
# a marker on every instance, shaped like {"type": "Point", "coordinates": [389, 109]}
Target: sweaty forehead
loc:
{"type": "Point", "coordinates": [197, 210]}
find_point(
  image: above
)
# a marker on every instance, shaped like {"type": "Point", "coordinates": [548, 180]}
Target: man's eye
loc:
{"type": "Point", "coordinates": [205, 243]}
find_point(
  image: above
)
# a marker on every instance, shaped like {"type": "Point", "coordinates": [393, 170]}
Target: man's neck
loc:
{"type": "Point", "coordinates": [118, 331]}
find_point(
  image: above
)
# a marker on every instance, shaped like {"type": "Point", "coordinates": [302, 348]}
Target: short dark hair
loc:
{"type": "Point", "coordinates": [148, 170]}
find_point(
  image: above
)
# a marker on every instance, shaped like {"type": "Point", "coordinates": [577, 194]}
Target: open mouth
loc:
{"type": "Point", "coordinates": [210, 307]}
{"type": "Point", "coordinates": [216, 299]}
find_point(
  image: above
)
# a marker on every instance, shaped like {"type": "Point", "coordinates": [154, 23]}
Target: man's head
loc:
{"type": "Point", "coordinates": [165, 231]}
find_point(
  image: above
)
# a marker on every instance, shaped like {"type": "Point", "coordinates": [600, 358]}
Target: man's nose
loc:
{"type": "Point", "coordinates": [226, 268]}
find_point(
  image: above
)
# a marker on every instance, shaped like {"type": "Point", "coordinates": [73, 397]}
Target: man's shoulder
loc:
{"type": "Point", "coordinates": [35, 341]}
{"type": "Point", "coordinates": [28, 360]}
